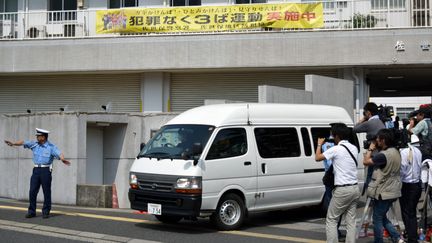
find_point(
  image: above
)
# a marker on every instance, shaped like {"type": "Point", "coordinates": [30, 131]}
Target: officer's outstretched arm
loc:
{"type": "Point", "coordinates": [17, 143]}
{"type": "Point", "coordinates": [66, 162]}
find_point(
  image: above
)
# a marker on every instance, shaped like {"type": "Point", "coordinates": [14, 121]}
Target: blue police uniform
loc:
{"type": "Point", "coordinates": [43, 156]}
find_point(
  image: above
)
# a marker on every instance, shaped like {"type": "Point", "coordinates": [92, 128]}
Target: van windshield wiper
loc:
{"type": "Point", "coordinates": [158, 155]}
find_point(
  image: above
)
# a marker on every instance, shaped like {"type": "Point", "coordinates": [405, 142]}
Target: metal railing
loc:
{"type": "Point", "coordinates": [338, 15]}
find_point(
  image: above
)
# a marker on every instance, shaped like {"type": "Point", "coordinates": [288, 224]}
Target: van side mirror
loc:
{"type": "Point", "coordinates": [142, 145]}
{"type": "Point", "coordinates": [196, 152]}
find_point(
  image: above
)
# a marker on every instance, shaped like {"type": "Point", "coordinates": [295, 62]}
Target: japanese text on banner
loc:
{"type": "Point", "coordinates": [210, 18]}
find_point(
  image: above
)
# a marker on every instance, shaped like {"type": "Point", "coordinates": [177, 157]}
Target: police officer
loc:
{"type": "Point", "coordinates": [44, 153]}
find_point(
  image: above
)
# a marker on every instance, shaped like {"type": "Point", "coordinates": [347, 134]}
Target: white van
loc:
{"type": "Point", "coordinates": [225, 161]}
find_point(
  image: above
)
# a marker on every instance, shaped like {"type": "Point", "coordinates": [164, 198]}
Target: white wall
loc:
{"type": "Point", "coordinates": [68, 132]}
{"type": "Point", "coordinates": [331, 91]}
{"type": "Point", "coordinates": [274, 94]}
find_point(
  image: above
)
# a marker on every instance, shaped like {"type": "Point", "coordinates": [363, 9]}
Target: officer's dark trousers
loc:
{"type": "Point", "coordinates": [410, 197]}
{"type": "Point", "coordinates": [41, 176]}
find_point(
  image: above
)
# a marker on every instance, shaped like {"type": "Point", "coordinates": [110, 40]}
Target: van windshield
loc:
{"type": "Point", "coordinates": [176, 141]}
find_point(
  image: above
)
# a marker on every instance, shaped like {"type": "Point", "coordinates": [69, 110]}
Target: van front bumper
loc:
{"type": "Point", "coordinates": [172, 203]}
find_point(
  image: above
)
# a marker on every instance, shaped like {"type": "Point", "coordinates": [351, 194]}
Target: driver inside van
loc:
{"type": "Point", "coordinates": [185, 139]}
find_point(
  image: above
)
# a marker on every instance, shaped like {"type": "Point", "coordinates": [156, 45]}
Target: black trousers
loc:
{"type": "Point", "coordinates": [41, 176]}
{"type": "Point", "coordinates": [410, 197]}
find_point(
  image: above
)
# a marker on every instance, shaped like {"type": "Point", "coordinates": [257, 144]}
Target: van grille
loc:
{"type": "Point", "coordinates": [155, 186]}
{"type": "Point", "coordinates": [156, 183]}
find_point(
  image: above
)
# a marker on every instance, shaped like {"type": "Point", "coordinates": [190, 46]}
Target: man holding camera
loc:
{"type": "Point", "coordinates": [370, 124]}
{"type": "Point", "coordinates": [385, 187]}
{"type": "Point", "coordinates": [346, 192]}
{"type": "Point", "coordinates": [423, 130]}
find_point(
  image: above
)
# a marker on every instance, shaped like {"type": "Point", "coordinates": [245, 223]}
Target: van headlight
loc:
{"type": "Point", "coordinates": [189, 185]}
{"type": "Point", "coordinates": [133, 181]}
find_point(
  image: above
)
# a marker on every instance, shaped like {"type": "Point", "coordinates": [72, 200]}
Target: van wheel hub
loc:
{"type": "Point", "coordinates": [230, 212]}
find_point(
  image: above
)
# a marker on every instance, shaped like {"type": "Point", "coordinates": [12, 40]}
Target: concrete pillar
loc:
{"type": "Point", "coordinates": [155, 92]}
{"type": "Point", "coordinates": [361, 89]}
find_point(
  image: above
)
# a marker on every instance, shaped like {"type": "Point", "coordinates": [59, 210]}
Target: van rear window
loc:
{"type": "Point", "coordinates": [279, 142]}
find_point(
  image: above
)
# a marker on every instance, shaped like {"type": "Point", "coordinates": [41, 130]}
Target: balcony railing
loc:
{"type": "Point", "coordinates": [338, 15]}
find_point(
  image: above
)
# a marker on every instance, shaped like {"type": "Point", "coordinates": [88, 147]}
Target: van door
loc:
{"type": "Point", "coordinates": [281, 181]}
{"type": "Point", "coordinates": [230, 164]}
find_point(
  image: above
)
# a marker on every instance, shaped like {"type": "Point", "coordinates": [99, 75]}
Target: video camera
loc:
{"type": "Point", "coordinates": [385, 113]}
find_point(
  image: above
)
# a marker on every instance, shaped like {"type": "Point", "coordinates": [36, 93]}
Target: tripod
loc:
{"type": "Point", "coordinates": [367, 213]}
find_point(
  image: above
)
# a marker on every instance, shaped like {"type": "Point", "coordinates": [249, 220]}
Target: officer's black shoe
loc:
{"type": "Point", "coordinates": [45, 216]}
{"type": "Point", "coordinates": [29, 215]}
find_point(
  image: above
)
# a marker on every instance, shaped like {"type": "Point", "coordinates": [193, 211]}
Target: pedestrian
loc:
{"type": "Point", "coordinates": [411, 165]}
{"type": "Point", "coordinates": [385, 186]}
{"type": "Point", "coordinates": [423, 130]}
{"type": "Point", "coordinates": [346, 192]}
{"type": "Point", "coordinates": [44, 153]}
{"type": "Point", "coordinates": [370, 124]}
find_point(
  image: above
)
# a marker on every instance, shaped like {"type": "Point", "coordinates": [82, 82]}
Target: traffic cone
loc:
{"type": "Point", "coordinates": [114, 197]}
{"type": "Point", "coordinates": [385, 233]}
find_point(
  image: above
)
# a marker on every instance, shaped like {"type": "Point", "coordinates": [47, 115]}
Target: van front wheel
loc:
{"type": "Point", "coordinates": [230, 213]}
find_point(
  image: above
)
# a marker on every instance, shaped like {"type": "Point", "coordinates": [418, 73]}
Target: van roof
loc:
{"type": "Point", "coordinates": [262, 114]}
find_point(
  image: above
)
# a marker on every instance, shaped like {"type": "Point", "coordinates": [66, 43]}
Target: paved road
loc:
{"type": "Point", "coordinates": [78, 224]}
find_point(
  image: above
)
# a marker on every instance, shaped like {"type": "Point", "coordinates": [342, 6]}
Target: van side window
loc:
{"type": "Point", "coordinates": [277, 142]}
{"type": "Point", "coordinates": [324, 132]}
{"type": "Point", "coordinates": [229, 142]}
{"type": "Point", "coordinates": [319, 132]}
{"type": "Point", "coordinates": [306, 141]}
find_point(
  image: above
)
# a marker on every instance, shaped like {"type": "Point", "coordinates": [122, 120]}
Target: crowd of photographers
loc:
{"type": "Point", "coordinates": [397, 168]}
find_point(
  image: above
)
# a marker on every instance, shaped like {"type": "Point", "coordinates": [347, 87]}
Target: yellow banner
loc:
{"type": "Point", "coordinates": [210, 18]}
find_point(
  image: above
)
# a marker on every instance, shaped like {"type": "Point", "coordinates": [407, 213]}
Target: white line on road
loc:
{"type": "Point", "coordinates": [66, 234]}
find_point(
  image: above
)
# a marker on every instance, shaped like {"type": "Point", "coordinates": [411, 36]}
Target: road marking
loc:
{"type": "Point", "coordinates": [65, 234]}
{"type": "Point", "coordinates": [87, 215]}
{"type": "Point", "coordinates": [272, 237]}
{"type": "Point", "coordinates": [131, 220]}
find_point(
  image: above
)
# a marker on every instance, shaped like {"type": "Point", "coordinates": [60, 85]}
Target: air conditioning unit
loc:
{"type": "Point", "coordinates": [6, 28]}
{"type": "Point", "coordinates": [38, 31]}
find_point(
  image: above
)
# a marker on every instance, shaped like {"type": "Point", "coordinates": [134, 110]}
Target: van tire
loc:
{"type": "Point", "coordinates": [230, 212]}
{"type": "Point", "coordinates": [168, 219]}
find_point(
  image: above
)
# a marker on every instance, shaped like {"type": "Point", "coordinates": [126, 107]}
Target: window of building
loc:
{"type": "Point", "coordinates": [62, 10]}
{"type": "Point", "coordinates": [278, 142]}
{"type": "Point", "coordinates": [306, 141]}
{"type": "Point", "coordinates": [8, 6]}
{"type": "Point", "coordinates": [62, 5]}
{"type": "Point", "coordinates": [174, 3]}
{"type": "Point", "coordinates": [230, 142]}
{"type": "Point", "coordinates": [385, 4]}
{"type": "Point", "coordinates": [123, 3]}
{"type": "Point", "coordinates": [249, 1]}
{"type": "Point", "coordinates": [403, 112]}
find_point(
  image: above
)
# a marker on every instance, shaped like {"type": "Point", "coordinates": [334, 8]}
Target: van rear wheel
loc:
{"type": "Point", "coordinates": [230, 212]}
{"type": "Point", "coordinates": [168, 219]}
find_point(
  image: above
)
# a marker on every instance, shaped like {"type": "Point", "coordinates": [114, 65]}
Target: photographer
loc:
{"type": "Point", "coordinates": [385, 187]}
{"type": "Point", "coordinates": [346, 192]}
{"type": "Point", "coordinates": [423, 130]}
{"type": "Point", "coordinates": [411, 166]}
{"type": "Point", "coordinates": [370, 124]}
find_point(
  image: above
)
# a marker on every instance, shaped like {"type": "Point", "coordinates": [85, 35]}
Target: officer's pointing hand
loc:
{"type": "Point", "coordinates": [66, 162]}
{"type": "Point", "coordinates": [8, 142]}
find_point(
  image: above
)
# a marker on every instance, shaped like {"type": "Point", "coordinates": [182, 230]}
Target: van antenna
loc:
{"type": "Point", "coordinates": [248, 118]}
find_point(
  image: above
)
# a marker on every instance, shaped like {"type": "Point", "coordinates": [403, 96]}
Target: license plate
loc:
{"type": "Point", "coordinates": [154, 209]}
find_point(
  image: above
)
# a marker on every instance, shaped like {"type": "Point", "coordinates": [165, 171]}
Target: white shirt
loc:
{"type": "Point", "coordinates": [426, 174]}
{"type": "Point", "coordinates": [345, 169]}
{"type": "Point", "coordinates": [411, 164]}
